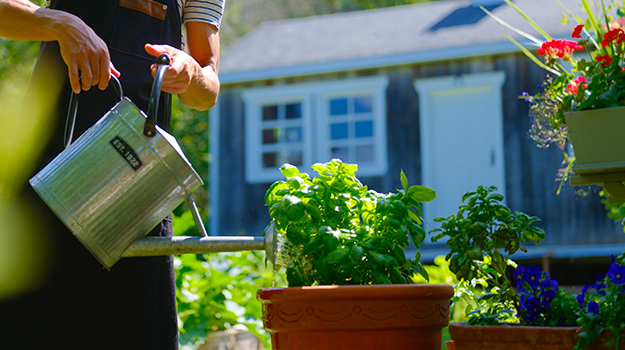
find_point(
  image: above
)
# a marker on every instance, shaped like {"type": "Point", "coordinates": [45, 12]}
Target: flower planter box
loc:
{"type": "Point", "coordinates": [356, 317]}
{"type": "Point", "coordinates": [515, 337]}
{"type": "Point", "coordinates": [597, 138]}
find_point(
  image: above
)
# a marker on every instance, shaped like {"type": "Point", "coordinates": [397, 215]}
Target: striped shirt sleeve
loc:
{"type": "Point", "coordinates": [209, 11]}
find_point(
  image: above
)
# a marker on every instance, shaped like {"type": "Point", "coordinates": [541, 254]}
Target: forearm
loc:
{"type": "Point", "coordinates": [23, 20]}
{"type": "Point", "coordinates": [203, 46]}
{"type": "Point", "coordinates": [203, 90]}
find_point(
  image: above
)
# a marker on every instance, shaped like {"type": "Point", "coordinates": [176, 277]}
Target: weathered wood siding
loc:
{"type": "Point", "coordinates": [530, 172]}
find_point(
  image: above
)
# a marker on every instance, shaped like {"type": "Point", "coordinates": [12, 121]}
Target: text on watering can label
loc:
{"type": "Point", "coordinates": [126, 152]}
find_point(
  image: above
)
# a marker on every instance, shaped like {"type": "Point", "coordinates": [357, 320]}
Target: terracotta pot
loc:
{"type": "Point", "coordinates": [515, 337]}
{"type": "Point", "coordinates": [406, 316]}
{"type": "Point", "coordinates": [597, 139]}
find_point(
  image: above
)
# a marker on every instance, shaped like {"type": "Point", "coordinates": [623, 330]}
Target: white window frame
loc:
{"type": "Point", "coordinates": [374, 86]}
{"type": "Point", "coordinates": [254, 99]}
{"type": "Point", "coordinates": [314, 97]}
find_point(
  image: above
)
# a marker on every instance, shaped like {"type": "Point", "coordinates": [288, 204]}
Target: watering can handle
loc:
{"type": "Point", "coordinates": [73, 108]}
{"type": "Point", "coordinates": [196, 216]}
{"type": "Point", "coordinates": [162, 62]}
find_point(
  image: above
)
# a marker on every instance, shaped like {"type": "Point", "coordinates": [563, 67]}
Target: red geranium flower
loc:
{"type": "Point", "coordinates": [616, 36]}
{"type": "Point", "coordinates": [577, 32]}
{"type": "Point", "coordinates": [557, 48]}
{"type": "Point", "coordinates": [605, 58]}
{"type": "Point", "coordinates": [574, 85]}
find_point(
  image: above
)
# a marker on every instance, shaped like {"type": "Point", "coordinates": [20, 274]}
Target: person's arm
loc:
{"type": "Point", "coordinates": [193, 76]}
{"type": "Point", "coordinates": [81, 49]}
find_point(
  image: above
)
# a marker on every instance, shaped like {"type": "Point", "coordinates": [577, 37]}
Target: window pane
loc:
{"type": "Point", "coordinates": [270, 112]}
{"type": "Point", "coordinates": [294, 111]}
{"type": "Point", "coordinates": [364, 128]}
{"type": "Point", "coordinates": [338, 106]}
{"type": "Point", "coordinates": [270, 136]}
{"type": "Point", "coordinates": [364, 154]}
{"type": "Point", "coordinates": [338, 131]}
{"type": "Point", "coordinates": [295, 158]}
{"type": "Point", "coordinates": [270, 160]}
{"type": "Point", "coordinates": [293, 134]}
{"type": "Point", "coordinates": [363, 104]}
{"type": "Point", "coordinates": [341, 153]}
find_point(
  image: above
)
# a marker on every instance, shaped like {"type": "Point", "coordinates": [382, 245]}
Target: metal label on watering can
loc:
{"type": "Point", "coordinates": [127, 152]}
{"type": "Point", "coordinates": [118, 180]}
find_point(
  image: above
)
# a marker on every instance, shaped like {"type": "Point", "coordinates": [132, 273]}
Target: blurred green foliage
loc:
{"type": "Point", "coordinates": [191, 129]}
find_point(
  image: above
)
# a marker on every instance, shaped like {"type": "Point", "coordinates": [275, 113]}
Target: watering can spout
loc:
{"type": "Point", "coordinates": [153, 246]}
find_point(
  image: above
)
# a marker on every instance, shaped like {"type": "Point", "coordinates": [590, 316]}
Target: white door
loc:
{"type": "Point", "coordinates": [461, 127]}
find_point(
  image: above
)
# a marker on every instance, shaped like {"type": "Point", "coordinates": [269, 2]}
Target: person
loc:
{"type": "Point", "coordinates": [80, 305]}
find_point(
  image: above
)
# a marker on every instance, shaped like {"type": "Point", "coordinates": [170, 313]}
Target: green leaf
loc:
{"type": "Point", "coordinates": [530, 37]}
{"type": "Point", "coordinates": [399, 255]}
{"type": "Point", "coordinates": [423, 272]}
{"type": "Point", "coordinates": [404, 181]}
{"type": "Point", "coordinates": [421, 194]}
{"type": "Point", "coordinates": [270, 191]}
{"type": "Point", "coordinates": [356, 253]}
{"type": "Point", "coordinates": [289, 170]}
{"type": "Point", "coordinates": [292, 207]}
{"type": "Point", "coordinates": [337, 256]}
{"type": "Point", "coordinates": [397, 277]}
{"type": "Point", "coordinates": [295, 182]}
{"type": "Point", "coordinates": [412, 215]}
{"type": "Point", "coordinates": [529, 20]}
{"type": "Point", "coordinates": [380, 278]}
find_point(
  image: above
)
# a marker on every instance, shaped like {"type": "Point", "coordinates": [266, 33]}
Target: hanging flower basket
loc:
{"type": "Point", "coordinates": [597, 138]}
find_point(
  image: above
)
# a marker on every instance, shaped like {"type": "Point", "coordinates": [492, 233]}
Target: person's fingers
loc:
{"type": "Point", "coordinates": [155, 50]}
{"type": "Point", "coordinates": [86, 75]}
{"type": "Point", "coordinates": [74, 80]}
{"type": "Point", "coordinates": [114, 70]}
{"type": "Point", "coordinates": [94, 65]}
{"type": "Point", "coordinates": [105, 72]}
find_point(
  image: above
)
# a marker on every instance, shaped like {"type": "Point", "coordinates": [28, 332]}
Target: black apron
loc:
{"type": "Point", "coordinates": [81, 305]}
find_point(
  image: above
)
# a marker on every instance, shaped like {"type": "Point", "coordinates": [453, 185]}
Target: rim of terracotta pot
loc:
{"type": "Point", "coordinates": [351, 292]}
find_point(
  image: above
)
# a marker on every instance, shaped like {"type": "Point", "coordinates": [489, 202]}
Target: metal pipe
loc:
{"type": "Point", "coordinates": [151, 246]}
{"type": "Point", "coordinates": [154, 246]}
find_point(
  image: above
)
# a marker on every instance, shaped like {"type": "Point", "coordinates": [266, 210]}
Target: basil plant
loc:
{"type": "Point", "coordinates": [332, 229]}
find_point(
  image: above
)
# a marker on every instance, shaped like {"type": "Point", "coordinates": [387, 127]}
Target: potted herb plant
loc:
{"type": "Point", "coordinates": [521, 307]}
{"type": "Point", "coordinates": [349, 280]}
{"type": "Point", "coordinates": [583, 97]}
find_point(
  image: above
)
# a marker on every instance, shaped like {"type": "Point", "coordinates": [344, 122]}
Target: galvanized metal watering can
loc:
{"type": "Point", "coordinates": [122, 177]}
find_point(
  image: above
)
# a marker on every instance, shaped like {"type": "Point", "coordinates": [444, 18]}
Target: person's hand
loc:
{"type": "Point", "coordinates": [82, 50]}
{"type": "Point", "coordinates": [181, 71]}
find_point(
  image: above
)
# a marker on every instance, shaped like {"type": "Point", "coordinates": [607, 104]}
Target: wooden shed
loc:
{"type": "Point", "coordinates": [431, 89]}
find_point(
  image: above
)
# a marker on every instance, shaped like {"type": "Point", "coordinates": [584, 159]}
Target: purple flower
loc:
{"type": "Point", "coordinates": [532, 305]}
{"type": "Point", "coordinates": [599, 287]}
{"type": "Point", "coordinates": [616, 273]}
{"type": "Point", "coordinates": [518, 276]}
{"type": "Point", "coordinates": [547, 283]}
{"type": "Point", "coordinates": [593, 308]}
{"type": "Point", "coordinates": [546, 297]}
{"type": "Point", "coordinates": [532, 275]}
{"type": "Point", "coordinates": [582, 296]}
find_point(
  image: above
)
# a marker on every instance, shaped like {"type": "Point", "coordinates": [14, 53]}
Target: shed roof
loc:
{"type": "Point", "coordinates": [385, 37]}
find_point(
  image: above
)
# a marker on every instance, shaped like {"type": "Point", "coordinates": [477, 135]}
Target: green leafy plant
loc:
{"type": "Point", "coordinates": [481, 237]}
{"type": "Point", "coordinates": [215, 292]}
{"type": "Point", "coordinates": [604, 310]}
{"type": "Point", "coordinates": [337, 231]}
